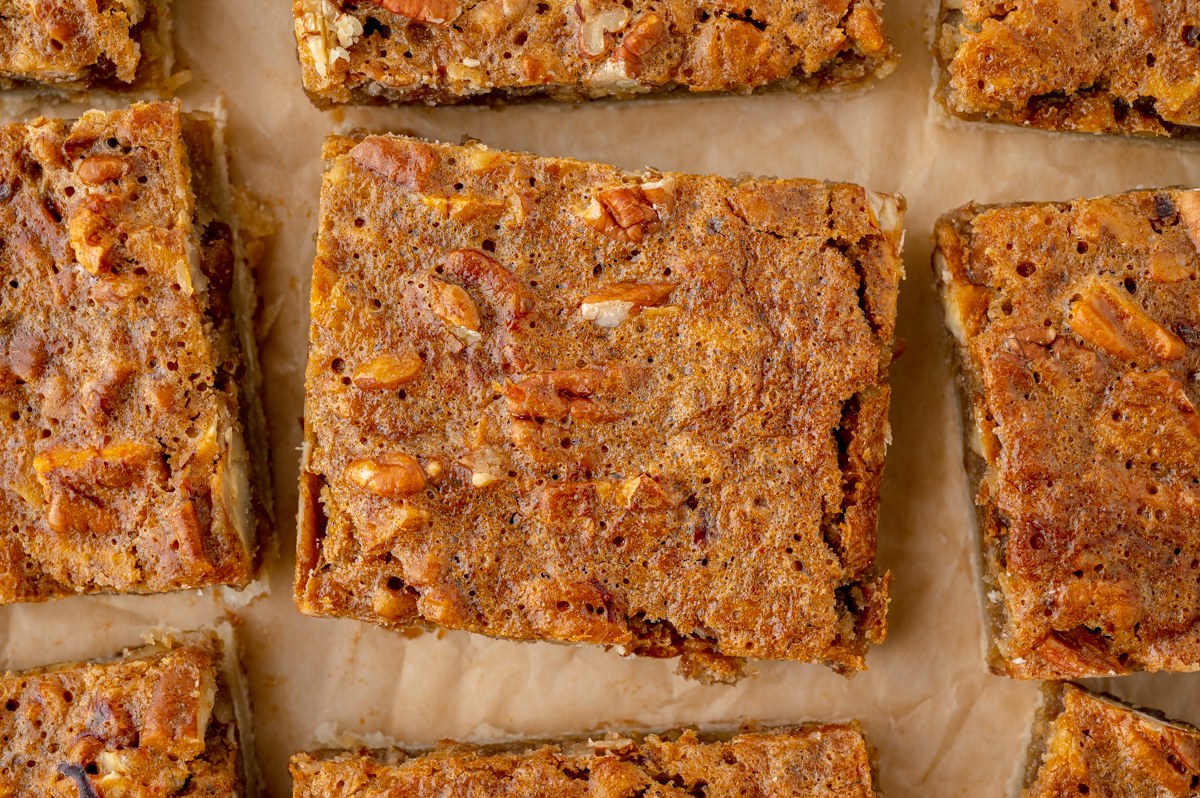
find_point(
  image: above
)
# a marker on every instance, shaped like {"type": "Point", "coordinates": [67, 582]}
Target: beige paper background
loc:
{"type": "Point", "coordinates": [943, 726]}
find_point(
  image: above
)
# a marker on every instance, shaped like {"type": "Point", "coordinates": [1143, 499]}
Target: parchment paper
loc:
{"type": "Point", "coordinates": [943, 725]}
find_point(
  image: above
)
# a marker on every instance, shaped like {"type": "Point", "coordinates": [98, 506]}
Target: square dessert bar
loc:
{"type": "Point", "coordinates": [443, 51]}
{"type": "Point", "coordinates": [70, 51]}
{"type": "Point", "coordinates": [1106, 67]}
{"type": "Point", "coordinates": [134, 457]}
{"type": "Point", "coordinates": [156, 721]}
{"type": "Point", "coordinates": [810, 761]}
{"type": "Point", "coordinates": [1085, 743]}
{"type": "Point", "coordinates": [1076, 330]}
{"type": "Point", "coordinates": [549, 399]}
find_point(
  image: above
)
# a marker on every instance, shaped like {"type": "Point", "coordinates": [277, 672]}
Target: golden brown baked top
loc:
{"type": "Point", "coordinates": [125, 467]}
{"type": "Point", "coordinates": [1117, 67]}
{"type": "Point", "coordinates": [801, 761]}
{"type": "Point", "coordinates": [444, 51]}
{"type": "Point", "coordinates": [1077, 329]}
{"type": "Point", "coordinates": [118, 45]}
{"type": "Point", "coordinates": [1089, 744]}
{"type": "Point", "coordinates": [550, 399]}
{"type": "Point", "coordinates": [157, 721]}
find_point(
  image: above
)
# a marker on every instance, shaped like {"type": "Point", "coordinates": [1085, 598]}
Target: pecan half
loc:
{"type": "Point", "coordinates": [1108, 320]}
{"type": "Point", "coordinates": [454, 306]}
{"type": "Point", "coordinates": [439, 12]}
{"type": "Point", "coordinates": [388, 372]}
{"type": "Point", "coordinates": [615, 302]}
{"type": "Point", "coordinates": [567, 392]}
{"type": "Point", "coordinates": [393, 475]}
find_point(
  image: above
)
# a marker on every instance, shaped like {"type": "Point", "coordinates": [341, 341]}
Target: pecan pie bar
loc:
{"type": "Point", "coordinates": [549, 399]}
{"type": "Point", "coordinates": [446, 51]}
{"type": "Point", "coordinates": [1129, 67]}
{"type": "Point", "coordinates": [1084, 743]}
{"type": "Point", "coordinates": [72, 50]}
{"type": "Point", "coordinates": [810, 761]}
{"type": "Point", "coordinates": [134, 457]}
{"type": "Point", "coordinates": [1076, 328]}
{"type": "Point", "coordinates": [157, 721]}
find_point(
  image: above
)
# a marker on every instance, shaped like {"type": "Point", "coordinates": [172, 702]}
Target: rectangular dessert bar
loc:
{"type": "Point", "coordinates": [1084, 743]}
{"type": "Point", "coordinates": [134, 457]}
{"type": "Point", "coordinates": [72, 51]}
{"type": "Point", "coordinates": [549, 399]}
{"type": "Point", "coordinates": [161, 720]}
{"type": "Point", "coordinates": [1076, 330]}
{"type": "Point", "coordinates": [443, 51]}
{"type": "Point", "coordinates": [810, 761]}
{"type": "Point", "coordinates": [1129, 68]}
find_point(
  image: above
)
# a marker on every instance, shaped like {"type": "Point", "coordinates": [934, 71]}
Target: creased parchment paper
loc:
{"type": "Point", "coordinates": [943, 726]}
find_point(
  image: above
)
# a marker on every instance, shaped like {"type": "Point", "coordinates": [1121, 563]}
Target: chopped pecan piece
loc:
{"type": "Point", "coordinates": [114, 467]}
{"type": "Point", "coordinates": [92, 235]}
{"type": "Point", "coordinates": [1172, 260]}
{"type": "Point", "coordinates": [885, 208]}
{"type": "Point", "coordinates": [627, 206]}
{"type": "Point", "coordinates": [1105, 216]}
{"type": "Point", "coordinates": [454, 306]}
{"type": "Point", "coordinates": [573, 611]}
{"type": "Point", "coordinates": [534, 69]}
{"type": "Point", "coordinates": [622, 213]}
{"type": "Point", "coordinates": [402, 160]}
{"type": "Point", "coordinates": [487, 465]}
{"type": "Point", "coordinates": [595, 30]}
{"type": "Point", "coordinates": [100, 169]}
{"type": "Point", "coordinates": [645, 34]}
{"type": "Point", "coordinates": [464, 209]}
{"type": "Point", "coordinates": [1145, 747]}
{"type": "Point", "coordinates": [865, 27]}
{"type": "Point", "coordinates": [511, 300]}
{"type": "Point", "coordinates": [643, 493]}
{"type": "Point", "coordinates": [1113, 603]}
{"type": "Point", "coordinates": [1188, 203]}
{"type": "Point", "coordinates": [28, 355]}
{"type": "Point", "coordinates": [1109, 320]}
{"type": "Point", "coordinates": [615, 302]}
{"type": "Point", "coordinates": [1077, 653]}
{"type": "Point", "coordinates": [393, 475]}
{"type": "Point", "coordinates": [439, 12]}
{"type": "Point", "coordinates": [661, 194]}
{"type": "Point", "coordinates": [388, 372]}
